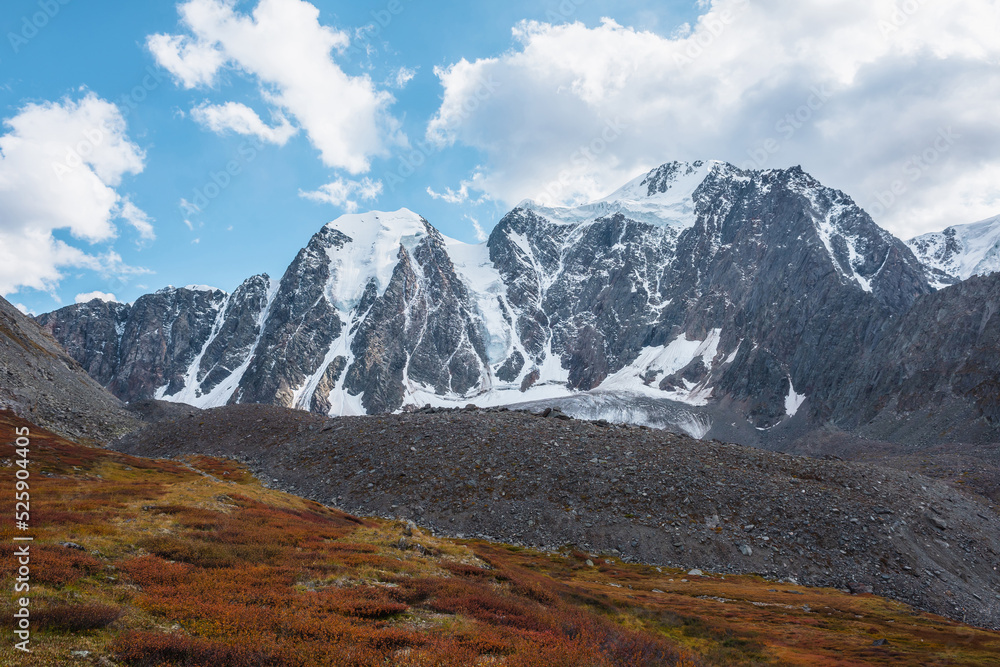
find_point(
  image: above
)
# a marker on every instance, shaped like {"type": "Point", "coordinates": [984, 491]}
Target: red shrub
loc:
{"type": "Point", "coordinates": [364, 602]}
{"type": "Point", "coordinates": [461, 570]}
{"type": "Point", "coordinates": [45, 516]}
{"type": "Point", "coordinates": [75, 617]}
{"type": "Point", "coordinates": [371, 560]}
{"type": "Point", "coordinates": [344, 547]}
{"type": "Point", "coordinates": [60, 566]}
{"type": "Point", "coordinates": [195, 552]}
{"type": "Point", "coordinates": [153, 571]}
{"type": "Point", "coordinates": [148, 649]}
{"type": "Point", "coordinates": [488, 607]}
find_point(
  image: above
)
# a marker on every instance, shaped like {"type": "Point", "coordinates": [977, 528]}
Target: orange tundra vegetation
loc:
{"type": "Point", "coordinates": [192, 562]}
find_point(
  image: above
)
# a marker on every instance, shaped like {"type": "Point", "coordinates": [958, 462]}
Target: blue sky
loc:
{"type": "Point", "coordinates": [490, 103]}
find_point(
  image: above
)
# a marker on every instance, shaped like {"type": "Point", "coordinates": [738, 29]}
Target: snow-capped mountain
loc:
{"type": "Point", "coordinates": [728, 292]}
{"type": "Point", "coordinates": [371, 305]}
{"type": "Point", "coordinates": [961, 252]}
{"type": "Point", "coordinates": [694, 285]}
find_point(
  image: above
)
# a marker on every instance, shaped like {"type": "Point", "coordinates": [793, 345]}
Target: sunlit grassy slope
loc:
{"type": "Point", "coordinates": [194, 563]}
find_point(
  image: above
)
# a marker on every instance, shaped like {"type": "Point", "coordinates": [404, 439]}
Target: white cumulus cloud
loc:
{"type": "Point", "coordinates": [403, 76]}
{"type": "Point", "coordinates": [451, 196]}
{"type": "Point", "coordinates": [139, 219]}
{"type": "Point", "coordinates": [102, 296]}
{"type": "Point", "coordinates": [61, 164]}
{"type": "Point", "coordinates": [345, 193]}
{"type": "Point", "coordinates": [481, 234]}
{"type": "Point", "coordinates": [195, 63]}
{"type": "Point", "coordinates": [858, 92]}
{"type": "Point", "coordinates": [285, 48]}
{"type": "Point", "coordinates": [241, 119]}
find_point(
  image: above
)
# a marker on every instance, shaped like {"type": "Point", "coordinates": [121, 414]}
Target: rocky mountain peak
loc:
{"type": "Point", "coordinates": [663, 197]}
{"type": "Point", "coordinates": [711, 294]}
{"type": "Point", "coordinates": [662, 179]}
{"type": "Point", "coordinates": [365, 248]}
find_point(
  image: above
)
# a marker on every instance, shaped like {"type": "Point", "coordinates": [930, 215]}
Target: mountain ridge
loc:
{"type": "Point", "coordinates": [695, 285]}
{"type": "Point", "coordinates": [962, 251]}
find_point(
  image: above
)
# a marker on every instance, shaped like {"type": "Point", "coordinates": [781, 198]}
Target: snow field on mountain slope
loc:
{"type": "Point", "coordinates": [979, 249]}
{"type": "Point", "coordinates": [372, 253]}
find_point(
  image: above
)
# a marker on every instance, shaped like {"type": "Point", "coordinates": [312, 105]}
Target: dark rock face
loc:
{"type": "Point", "coordinates": [524, 247]}
{"type": "Point", "coordinates": [91, 336]}
{"type": "Point", "coordinates": [380, 344]}
{"type": "Point", "coordinates": [301, 326]}
{"type": "Point", "coordinates": [422, 330]}
{"type": "Point", "coordinates": [937, 365]}
{"type": "Point", "coordinates": [154, 343]}
{"type": "Point", "coordinates": [321, 399]}
{"type": "Point", "coordinates": [162, 337]}
{"type": "Point", "coordinates": [450, 355]}
{"type": "Point", "coordinates": [602, 307]}
{"type": "Point", "coordinates": [697, 283]}
{"type": "Point", "coordinates": [587, 359]}
{"type": "Point", "coordinates": [236, 333]}
{"type": "Point", "coordinates": [804, 309]}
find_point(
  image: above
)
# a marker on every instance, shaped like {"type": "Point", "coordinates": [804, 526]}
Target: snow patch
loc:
{"type": "Point", "coordinates": [488, 290]}
{"type": "Point", "coordinates": [793, 401]}
{"type": "Point", "coordinates": [828, 229]}
{"type": "Point", "coordinates": [373, 252]}
{"type": "Point", "coordinates": [732, 357]}
{"type": "Point", "coordinates": [665, 361]}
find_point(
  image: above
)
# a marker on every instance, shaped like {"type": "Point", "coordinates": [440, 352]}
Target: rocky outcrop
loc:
{"type": "Point", "coordinates": [423, 331]}
{"type": "Point", "coordinates": [163, 337]}
{"type": "Point", "coordinates": [135, 350]}
{"type": "Point", "coordinates": [41, 383]}
{"type": "Point", "coordinates": [92, 336]}
{"type": "Point", "coordinates": [380, 344]}
{"type": "Point", "coordinates": [301, 326]}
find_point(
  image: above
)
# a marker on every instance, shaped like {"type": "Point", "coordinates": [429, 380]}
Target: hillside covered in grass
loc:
{"type": "Point", "coordinates": [192, 562]}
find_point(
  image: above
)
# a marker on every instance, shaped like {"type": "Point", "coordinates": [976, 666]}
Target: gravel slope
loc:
{"type": "Point", "coordinates": [40, 382]}
{"type": "Point", "coordinates": [652, 496]}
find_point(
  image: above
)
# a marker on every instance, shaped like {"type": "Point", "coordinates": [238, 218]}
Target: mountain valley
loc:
{"type": "Point", "coordinates": [645, 495]}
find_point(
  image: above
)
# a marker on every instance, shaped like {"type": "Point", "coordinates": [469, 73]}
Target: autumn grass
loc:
{"type": "Point", "coordinates": [192, 562]}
